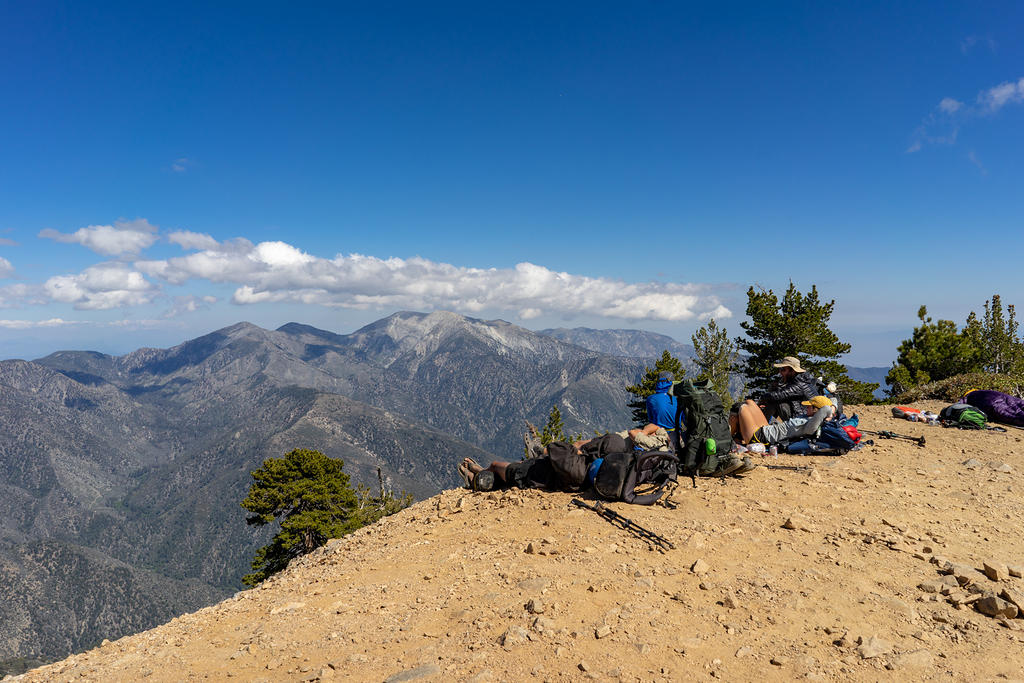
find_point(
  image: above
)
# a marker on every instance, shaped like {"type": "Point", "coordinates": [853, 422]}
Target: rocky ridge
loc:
{"type": "Point", "coordinates": [120, 476]}
{"type": "Point", "coordinates": [814, 568]}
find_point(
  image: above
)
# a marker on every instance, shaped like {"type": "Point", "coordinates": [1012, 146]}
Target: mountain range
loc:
{"type": "Point", "coordinates": [120, 476]}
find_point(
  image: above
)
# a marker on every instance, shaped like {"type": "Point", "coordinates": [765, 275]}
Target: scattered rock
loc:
{"type": "Point", "coordinates": [1015, 570]}
{"type": "Point", "coordinates": [872, 647]}
{"type": "Point", "coordinates": [534, 585]}
{"type": "Point", "coordinates": [971, 463]}
{"type": "Point", "coordinates": [290, 607]}
{"type": "Point", "coordinates": [700, 567]}
{"type": "Point", "coordinates": [996, 571]}
{"type": "Point", "coordinates": [543, 625]}
{"type": "Point", "coordinates": [930, 586]}
{"type": "Point", "coordinates": [744, 651]}
{"type": "Point", "coordinates": [917, 659]}
{"type": "Point", "coordinates": [602, 631]}
{"type": "Point", "coordinates": [730, 601]}
{"type": "Point", "coordinates": [1014, 597]}
{"type": "Point", "coordinates": [530, 549]}
{"type": "Point", "coordinates": [778, 661]}
{"type": "Point", "coordinates": [1004, 468]}
{"type": "Point", "coordinates": [515, 635]}
{"type": "Point", "coordinates": [535, 606]}
{"type": "Point", "coordinates": [583, 666]}
{"type": "Point", "coordinates": [413, 674]}
{"type": "Point", "coordinates": [996, 607]}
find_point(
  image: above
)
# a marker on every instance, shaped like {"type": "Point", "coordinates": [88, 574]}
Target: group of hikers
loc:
{"type": "Point", "coordinates": [794, 408]}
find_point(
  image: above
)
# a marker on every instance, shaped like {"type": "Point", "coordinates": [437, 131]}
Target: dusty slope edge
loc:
{"type": "Point", "coordinates": [446, 590]}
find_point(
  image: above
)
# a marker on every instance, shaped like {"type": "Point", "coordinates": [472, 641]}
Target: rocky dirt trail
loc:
{"type": "Point", "coordinates": [871, 566]}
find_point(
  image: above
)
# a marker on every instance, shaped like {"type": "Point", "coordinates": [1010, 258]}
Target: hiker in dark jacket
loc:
{"type": "Point", "coordinates": [558, 466]}
{"type": "Point", "coordinates": [794, 386]}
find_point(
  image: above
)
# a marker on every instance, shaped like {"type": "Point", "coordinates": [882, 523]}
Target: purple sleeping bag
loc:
{"type": "Point", "coordinates": [999, 407]}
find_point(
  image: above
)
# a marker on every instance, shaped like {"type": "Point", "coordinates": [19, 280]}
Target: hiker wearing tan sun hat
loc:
{"type": "Point", "coordinates": [794, 386]}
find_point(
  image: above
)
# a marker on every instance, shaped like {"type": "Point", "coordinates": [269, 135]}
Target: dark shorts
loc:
{"type": "Point", "coordinates": [533, 473]}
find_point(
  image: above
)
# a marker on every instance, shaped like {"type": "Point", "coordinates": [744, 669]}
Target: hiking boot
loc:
{"type": "Point", "coordinates": [746, 466]}
{"type": "Point", "coordinates": [483, 481]}
{"type": "Point", "coordinates": [728, 465]}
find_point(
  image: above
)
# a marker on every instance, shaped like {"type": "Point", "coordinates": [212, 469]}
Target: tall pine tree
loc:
{"type": "Point", "coordinates": [935, 351]}
{"type": "Point", "coordinates": [795, 326]}
{"type": "Point", "coordinates": [714, 354]}
{"type": "Point", "coordinates": [1002, 350]}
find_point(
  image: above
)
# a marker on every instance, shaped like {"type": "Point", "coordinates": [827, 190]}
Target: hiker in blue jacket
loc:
{"type": "Point", "coordinates": [661, 414]}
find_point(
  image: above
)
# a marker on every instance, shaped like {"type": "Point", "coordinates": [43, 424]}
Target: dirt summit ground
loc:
{"type": "Point", "coordinates": [884, 564]}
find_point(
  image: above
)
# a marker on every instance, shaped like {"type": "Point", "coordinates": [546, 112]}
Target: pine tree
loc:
{"type": "Point", "coordinates": [935, 351]}
{"type": "Point", "coordinates": [796, 326]}
{"type": "Point", "coordinates": [310, 495]}
{"type": "Point", "coordinates": [714, 355]}
{"type": "Point", "coordinates": [1002, 350]}
{"type": "Point", "coordinates": [554, 429]}
{"type": "Point", "coordinates": [667, 363]}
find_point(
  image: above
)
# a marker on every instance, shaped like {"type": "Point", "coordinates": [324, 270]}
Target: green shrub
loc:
{"type": "Point", "coordinates": [953, 388]}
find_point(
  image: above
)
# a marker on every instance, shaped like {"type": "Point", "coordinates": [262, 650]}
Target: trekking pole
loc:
{"type": "Point", "coordinates": [626, 524]}
{"type": "Point", "coordinates": [794, 468]}
{"type": "Point", "coordinates": [893, 435]}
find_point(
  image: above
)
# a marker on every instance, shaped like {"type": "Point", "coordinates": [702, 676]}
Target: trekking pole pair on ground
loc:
{"type": "Point", "coordinates": [627, 524]}
{"type": "Point", "coordinates": [893, 435]}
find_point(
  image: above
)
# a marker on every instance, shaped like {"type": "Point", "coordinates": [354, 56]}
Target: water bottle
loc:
{"type": "Point", "coordinates": [773, 451]}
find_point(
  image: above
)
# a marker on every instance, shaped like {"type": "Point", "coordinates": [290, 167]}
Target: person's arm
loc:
{"type": "Point", "coordinates": [814, 423]}
{"type": "Point", "coordinates": [646, 431]}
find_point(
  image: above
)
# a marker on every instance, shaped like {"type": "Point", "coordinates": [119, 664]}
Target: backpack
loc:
{"type": "Point", "coordinates": [621, 474]}
{"type": "Point", "coordinates": [962, 416]}
{"type": "Point", "coordinates": [707, 428]}
{"type": "Point", "coordinates": [833, 439]}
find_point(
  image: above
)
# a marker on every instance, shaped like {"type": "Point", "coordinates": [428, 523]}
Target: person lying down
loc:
{"type": "Point", "coordinates": [749, 425]}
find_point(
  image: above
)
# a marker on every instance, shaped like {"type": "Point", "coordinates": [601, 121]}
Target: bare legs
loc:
{"type": "Point", "coordinates": [750, 420]}
{"type": "Point", "coordinates": [498, 467]}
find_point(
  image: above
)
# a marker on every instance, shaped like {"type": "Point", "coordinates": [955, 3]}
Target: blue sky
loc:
{"type": "Point", "coordinates": [170, 168]}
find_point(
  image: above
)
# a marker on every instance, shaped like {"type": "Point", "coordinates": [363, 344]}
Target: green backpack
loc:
{"type": "Point", "coordinates": [707, 437]}
{"type": "Point", "coordinates": [963, 416]}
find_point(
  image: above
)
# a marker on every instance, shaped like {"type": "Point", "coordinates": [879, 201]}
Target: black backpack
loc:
{"type": "Point", "coordinates": [706, 422]}
{"type": "Point", "coordinates": [621, 474]}
{"type": "Point", "coordinates": [963, 416]}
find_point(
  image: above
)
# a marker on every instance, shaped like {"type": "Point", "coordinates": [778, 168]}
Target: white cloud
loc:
{"type": "Point", "coordinates": [970, 41]}
{"type": "Point", "coordinates": [123, 237]}
{"type": "Point", "coordinates": [994, 99]}
{"type": "Point", "coordinates": [192, 240]}
{"type": "Point", "coordinates": [182, 164]}
{"type": "Point", "coordinates": [949, 105]}
{"type": "Point", "coordinates": [189, 304]}
{"type": "Point", "coordinates": [973, 158]}
{"type": "Point", "coordinates": [12, 296]}
{"type": "Point", "coordinates": [278, 272]}
{"type": "Point", "coordinates": [6, 242]}
{"type": "Point", "coordinates": [6, 269]}
{"type": "Point", "coordinates": [100, 287]}
{"type": "Point", "coordinates": [942, 125]}
{"type": "Point", "coordinates": [30, 324]}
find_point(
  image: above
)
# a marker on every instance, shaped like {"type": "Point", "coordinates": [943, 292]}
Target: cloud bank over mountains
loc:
{"type": "Point", "coordinates": [275, 272]}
